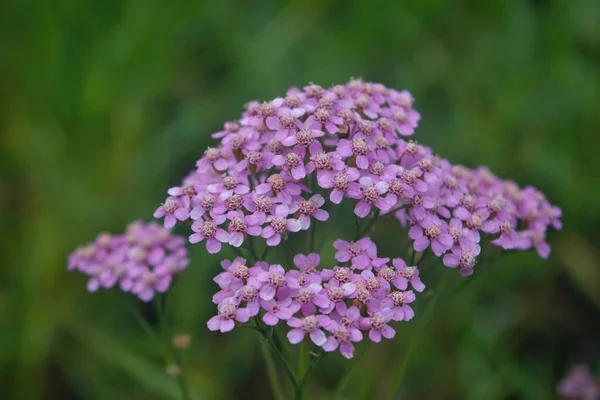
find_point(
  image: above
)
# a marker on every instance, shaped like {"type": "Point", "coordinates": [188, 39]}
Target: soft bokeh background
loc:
{"type": "Point", "coordinates": [104, 105]}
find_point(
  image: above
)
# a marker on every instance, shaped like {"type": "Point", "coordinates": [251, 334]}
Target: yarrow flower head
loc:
{"type": "Point", "coordinates": [143, 261]}
{"type": "Point", "coordinates": [283, 167]}
{"type": "Point", "coordinates": [349, 142]}
{"type": "Point", "coordinates": [333, 308]}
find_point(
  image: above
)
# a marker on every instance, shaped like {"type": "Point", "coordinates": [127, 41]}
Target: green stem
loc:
{"type": "Point", "coordinates": [263, 256]}
{"type": "Point", "coordinates": [349, 372]}
{"type": "Point", "coordinates": [185, 394]}
{"type": "Point", "coordinates": [311, 237]}
{"type": "Point", "coordinates": [413, 255]}
{"type": "Point", "coordinates": [162, 308]}
{"type": "Point", "coordinates": [251, 248]}
{"type": "Point", "coordinates": [145, 325]}
{"type": "Point", "coordinates": [356, 219]}
{"type": "Point", "coordinates": [238, 252]}
{"type": "Point", "coordinates": [299, 392]}
{"type": "Point", "coordinates": [276, 352]}
{"type": "Point", "coordinates": [426, 316]}
{"type": "Point", "coordinates": [271, 371]}
{"type": "Point", "coordinates": [427, 254]}
{"type": "Point", "coordinates": [367, 226]}
{"type": "Point", "coordinates": [302, 359]}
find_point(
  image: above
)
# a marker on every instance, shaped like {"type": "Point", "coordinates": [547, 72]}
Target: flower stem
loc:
{"type": "Point", "coordinates": [252, 250]}
{"type": "Point", "coordinates": [263, 256]}
{"type": "Point", "coordinates": [302, 359]}
{"type": "Point", "coordinates": [276, 352]}
{"type": "Point", "coordinates": [368, 225]}
{"type": "Point", "coordinates": [162, 308]}
{"type": "Point", "coordinates": [302, 383]}
{"type": "Point", "coordinates": [271, 371]}
{"type": "Point", "coordinates": [348, 374]}
{"type": "Point", "coordinates": [413, 255]}
{"type": "Point", "coordinates": [426, 316]}
{"type": "Point", "coordinates": [185, 394]}
{"type": "Point", "coordinates": [311, 237]}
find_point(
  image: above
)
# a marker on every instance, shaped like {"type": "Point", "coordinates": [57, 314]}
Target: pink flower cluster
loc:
{"type": "Point", "coordinates": [333, 307]}
{"type": "Point", "coordinates": [142, 261]}
{"type": "Point", "coordinates": [276, 167]}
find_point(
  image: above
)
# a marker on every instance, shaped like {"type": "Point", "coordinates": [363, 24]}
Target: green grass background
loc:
{"type": "Point", "coordinates": [106, 104]}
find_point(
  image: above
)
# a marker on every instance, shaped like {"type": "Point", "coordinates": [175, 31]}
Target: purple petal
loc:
{"type": "Point", "coordinates": [226, 325]}
{"type": "Point", "coordinates": [270, 319]}
{"type": "Point", "coordinates": [421, 243]}
{"type": "Point", "coordinates": [318, 337]}
{"type": "Point", "coordinates": [295, 336]}
{"type": "Point", "coordinates": [213, 245]}
{"type": "Point", "coordinates": [450, 260]}
{"type": "Point", "coordinates": [375, 336]}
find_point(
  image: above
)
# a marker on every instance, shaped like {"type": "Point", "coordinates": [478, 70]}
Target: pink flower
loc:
{"type": "Point", "coordinates": [208, 202]}
{"type": "Point", "coordinates": [337, 293]}
{"type": "Point", "coordinates": [276, 280]}
{"type": "Point", "coordinates": [307, 263]}
{"type": "Point", "coordinates": [378, 327]}
{"type": "Point", "coordinates": [406, 274]}
{"type": "Point", "coordinates": [213, 158]}
{"type": "Point", "coordinates": [357, 148]}
{"type": "Point", "coordinates": [310, 325]}
{"type": "Point", "coordinates": [404, 119]}
{"type": "Point", "coordinates": [260, 206]}
{"type": "Point", "coordinates": [228, 312]}
{"type": "Point", "coordinates": [185, 193]}
{"type": "Point", "coordinates": [347, 316]}
{"type": "Point", "coordinates": [304, 139]}
{"type": "Point", "coordinates": [537, 239]}
{"type": "Point", "coordinates": [311, 296]}
{"type": "Point", "coordinates": [463, 257]}
{"type": "Point", "coordinates": [249, 295]}
{"type": "Point", "coordinates": [459, 234]}
{"type": "Point", "coordinates": [210, 231]}
{"type": "Point", "coordinates": [279, 185]}
{"type": "Point", "coordinates": [357, 252]}
{"type": "Point", "coordinates": [292, 163]}
{"type": "Point", "coordinates": [148, 282]}
{"type": "Point", "coordinates": [434, 235]}
{"type": "Point", "coordinates": [398, 304]}
{"type": "Point", "coordinates": [285, 124]}
{"type": "Point", "coordinates": [235, 275]}
{"type": "Point", "coordinates": [241, 225]}
{"type": "Point", "coordinates": [310, 208]}
{"type": "Point", "coordinates": [342, 337]}
{"type": "Point", "coordinates": [340, 182]}
{"type": "Point", "coordinates": [172, 210]}
{"type": "Point", "coordinates": [475, 220]}
{"type": "Point", "coordinates": [397, 191]}
{"type": "Point", "coordinates": [278, 310]}
{"type": "Point", "coordinates": [370, 193]}
{"type": "Point", "coordinates": [279, 224]}
{"type": "Point", "coordinates": [322, 162]}
{"type": "Point", "coordinates": [324, 118]}
{"type": "Point", "coordinates": [228, 186]}
{"type": "Point", "coordinates": [508, 236]}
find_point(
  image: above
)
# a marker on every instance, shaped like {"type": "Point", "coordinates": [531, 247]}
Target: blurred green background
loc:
{"type": "Point", "coordinates": [106, 104]}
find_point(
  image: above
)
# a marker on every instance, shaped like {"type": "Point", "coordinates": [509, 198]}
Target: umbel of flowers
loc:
{"type": "Point", "coordinates": [331, 306]}
{"type": "Point", "coordinates": [142, 261]}
{"type": "Point", "coordinates": [276, 167]}
{"type": "Point", "coordinates": [279, 169]}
